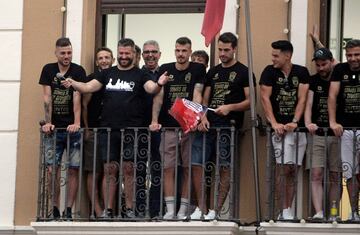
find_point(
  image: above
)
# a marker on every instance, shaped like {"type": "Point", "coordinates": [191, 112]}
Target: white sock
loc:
{"type": "Point", "coordinates": [184, 204]}
{"type": "Point", "coordinates": [170, 204]}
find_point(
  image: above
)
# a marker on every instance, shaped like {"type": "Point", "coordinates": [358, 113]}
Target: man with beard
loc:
{"type": "Point", "coordinates": [344, 112]}
{"type": "Point", "coordinates": [123, 106]}
{"type": "Point", "coordinates": [151, 55]}
{"type": "Point", "coordinates": [185, 81]}
{"type": "Point", "coordinates": [316, 118]}
{"type": "Point", "coordinates": [62, 110]}
{"type": "Point", "coordinates": [227, 92]}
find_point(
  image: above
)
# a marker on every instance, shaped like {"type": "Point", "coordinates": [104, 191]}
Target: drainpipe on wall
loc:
{"type": "Point", "coordinates": [287, 30]}
{"type": "Point", "coordinates": [64, 10]}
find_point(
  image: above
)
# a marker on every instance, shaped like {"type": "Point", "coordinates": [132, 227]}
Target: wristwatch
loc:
{"type": "Point", "coordinates": [294, 120]}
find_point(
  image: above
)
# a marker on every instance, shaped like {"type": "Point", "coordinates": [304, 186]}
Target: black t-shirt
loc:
{"type": "Point", "coordinates": [180, 85]}
{"type": "Point", "coordinates": [62, 98]}
{"type": "Point", "coordinates": [227, 87]}
{"type": "Point", "coordinates": [348, 99]}
{"type": "Point", "coordinates": [319, 111]}
{"type": "Point", "coordinates": [284, 96]}
{"type": "Point", "coordinates": [124, 97]}
{"type": "Point", "coordinates": [95, 104]}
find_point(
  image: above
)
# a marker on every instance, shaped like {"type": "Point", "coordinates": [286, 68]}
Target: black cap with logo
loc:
{"type": "Point", "coordinates": [322, 54]}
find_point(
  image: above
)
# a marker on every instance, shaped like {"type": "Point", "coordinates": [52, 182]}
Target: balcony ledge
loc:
{"type": "Point", "coordinates": [136, 228]}
{"type": "Point", "coordinates": [178, 228]}
{"type": "Point", "coordinates": [281, 228]}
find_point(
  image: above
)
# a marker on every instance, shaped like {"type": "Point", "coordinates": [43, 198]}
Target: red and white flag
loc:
{"type": "Point", "coordinates": [213, 19]}
{"type": "Point", "coordinates": [187, 113]}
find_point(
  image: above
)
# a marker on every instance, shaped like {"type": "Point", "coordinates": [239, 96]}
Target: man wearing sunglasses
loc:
{"type": "Point", "coordinates": [151, 55]}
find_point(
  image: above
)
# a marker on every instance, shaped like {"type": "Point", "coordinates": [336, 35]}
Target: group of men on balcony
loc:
{"type": "Point", "coordinates": [124, 96]}
{"type": "Point", "coordinates": [123, 104]}
{"type": "Point", "coordinates": [330, 100]}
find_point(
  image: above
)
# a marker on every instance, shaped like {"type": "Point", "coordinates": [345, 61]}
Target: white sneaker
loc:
{"type": "Point", "coordinates": [319, 215]}
{"type": "Point", "coordinates": [168, 215]}
{"type": "Point", "coordinates": [210, 215]}
{"type": "Point", "coordinates": [181, 216]}
{"type": "Point", "coordinates": [196, 214]}
{"type": "Point", "coordinates": [286, 214]}
{"type": "Point", "coordinates": [355, 218]}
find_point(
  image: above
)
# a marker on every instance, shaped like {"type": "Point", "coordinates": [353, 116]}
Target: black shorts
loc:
{"type": "Point", "coordinates": [89, 153]}
{"type": "Point", "coordinates": [123, 144]}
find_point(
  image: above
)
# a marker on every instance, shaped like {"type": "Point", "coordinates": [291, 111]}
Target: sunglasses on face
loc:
{"type": "Point", "coordinates": [152, 52]}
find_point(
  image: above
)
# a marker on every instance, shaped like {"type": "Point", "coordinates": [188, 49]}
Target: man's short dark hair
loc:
{"type": "Point", "coordinates": [126, 42]}
{"type": "Point", "coordinates": [228, 38]}
{"type": "Point", "coordinates": [202, 54]}
{"type": "Point", "coordinates": [352, 43]}
{"type": "Point", "coordinates": [183, 41]}
{"type": "Point", "coordinates": [283, 46]}
{"type": "Point", "coordinates": [63, 42]}
{"type": "Point", "coordinates": [104, 49]}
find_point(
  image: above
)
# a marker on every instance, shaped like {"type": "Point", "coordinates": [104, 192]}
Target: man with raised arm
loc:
{"type": "Point", "coordinates": [316, 119]}
{"type": "Point", "coordinates": [124, 105]}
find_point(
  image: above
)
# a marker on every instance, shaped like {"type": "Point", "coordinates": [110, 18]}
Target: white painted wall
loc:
{"type": "Point", "coordinates": [351, 29]}
{"type": "Point", "coordinates": [298, 37]}
{"type": "Point", "coordinates": [74, 17]}
{"type": "Point", "coordinates": [166, 28]}
{"type": "Point", "coordinates": [298, 30]}
{"type": "Point", "coordinates": [351, 15]}
{"type": "Point", "coordinates": [11, 18]}
{"type": "Point", "coordinates": [230, 17]}
{"type": "Point", "coordinates": [335, 22]}
{"type": "Point", "coordinates": [114, 30]}
{"type": "Point", "coordinates": [10, 47]}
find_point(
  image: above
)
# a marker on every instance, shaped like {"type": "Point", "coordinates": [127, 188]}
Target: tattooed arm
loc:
{"type": "Point", "coordinates": [197, 95]}
{"type": "Point", "coordinates": [48, 127]}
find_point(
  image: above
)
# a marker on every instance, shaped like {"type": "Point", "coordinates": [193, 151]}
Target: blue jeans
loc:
{"type": "Point", "coordinates": [60, 140]}
{"type": "Point", "coordinates": [212, 142]}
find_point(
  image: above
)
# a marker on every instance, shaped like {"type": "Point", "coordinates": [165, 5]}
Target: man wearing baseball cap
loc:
{"type": "Point", "coordinates": [323, 54]}
{"type": "Point", "coordinates": [320, 140]}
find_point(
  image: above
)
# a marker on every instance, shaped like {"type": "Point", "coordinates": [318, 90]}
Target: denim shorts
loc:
{"type": "Point", "coordinates": [217, 144]}
{"type": "Point", "coordinates": [60, 140]}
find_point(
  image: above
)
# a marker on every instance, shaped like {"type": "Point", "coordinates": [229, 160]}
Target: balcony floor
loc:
{"type": "Point", "coordinates": [178, 228]}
